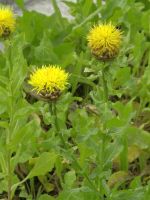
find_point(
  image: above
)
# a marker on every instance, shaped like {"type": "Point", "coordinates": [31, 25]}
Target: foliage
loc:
{"type": "Point", "coordinates": [110, 143]}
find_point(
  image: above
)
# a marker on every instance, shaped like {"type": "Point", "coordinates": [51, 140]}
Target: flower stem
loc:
{"type": "Point", "coordinates": [9, 175]}
{"type": "Point", "coordinates": [54, 109]}
{"type": "Point", "coordinates": [9, 172]}
{"type": "Point", "coordinates": [105, 85]}
{"type": "Point", "coordinates": [8, 139]}
{"type": "Point", "coordinates": [67, 148]}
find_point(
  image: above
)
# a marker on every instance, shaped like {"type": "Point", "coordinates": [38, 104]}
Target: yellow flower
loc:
{"type": "Point", "coordinates": [104, 41]}
{"type": "Point", "coordinates": [7, 21]}
{"type": "Point", "coordinates": [49, 81]}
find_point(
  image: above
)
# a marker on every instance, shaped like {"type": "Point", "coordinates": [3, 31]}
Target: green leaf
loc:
{"type": "Point", "coordinates": [3, 163]}
{"type": "Point", "coordinates": [69, 178]}
{"type": "Point", "coordinates": [133, 153]}
{"type": "Point", "coordinates": [47, 186]}
{"type": "Point", "coordinates": [45, 197]}
{"type": "Point", "coordinates": [43, 51]}
{"type": "Point", "coordinates": [3, 124]}
{"type": "Point", "coordinates": [138, 137]}
{"type": "Point", "coordinates": [117, 177]}
{"type": "Point", "coordinates": [76, 73]}
{"type": "Point", "coordinates": [17, 65]}
{"type": "Point", "coordinates": [113, 150]}
{"type": "Point", "coordinates": [125, 112]}
{"type": "Point", "coordinates": [86, 7]}
{"type": "Point", "coordinates": [122, 76]}
{"type": "Point", "coordinates": [20, 3]}
{"type": "Point", "coordinates": [44, 164]}
{"type": "Point", "coordinates": [140, 193]}
{"type": "Point", "coordinates": [58, 13]}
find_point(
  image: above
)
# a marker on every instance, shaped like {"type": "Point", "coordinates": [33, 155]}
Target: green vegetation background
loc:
{"type": "Point", "coordinates": [112, 146]}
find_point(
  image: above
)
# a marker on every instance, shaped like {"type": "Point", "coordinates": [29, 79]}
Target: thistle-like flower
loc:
{"type": "Point", "coordinates": [104, 41]}
{"type": "Point", "coordinates": [7, 21]}
{"type": "Point", "coordinates": [49, 81]}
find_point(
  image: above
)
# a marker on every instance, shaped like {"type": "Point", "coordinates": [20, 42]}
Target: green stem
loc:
{"type": "Point", "coordinates": [8, 139]}
{"type": "Point", "coordinates": [9, 166]}
{"type": "Point", "coordinates": [105, 85]}
{"type": "Point", "coordinates": [54, 109]}
{"type": "Point", "coordinates": [90, 17]}
{"type": "Point", "coordinates": [9, 174]}
{"type": "Point", "coordinates": [67, 148]}
{"type": "Point", "coordinates": [19, 183]}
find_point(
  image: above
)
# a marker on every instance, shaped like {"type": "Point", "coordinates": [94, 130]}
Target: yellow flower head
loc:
{"type": "Point", "coordinates": [7, 21]}
{"type": "Point", "coordinates": [49, 81]}
{"type": "Point", "coordinates": [104, 41]}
